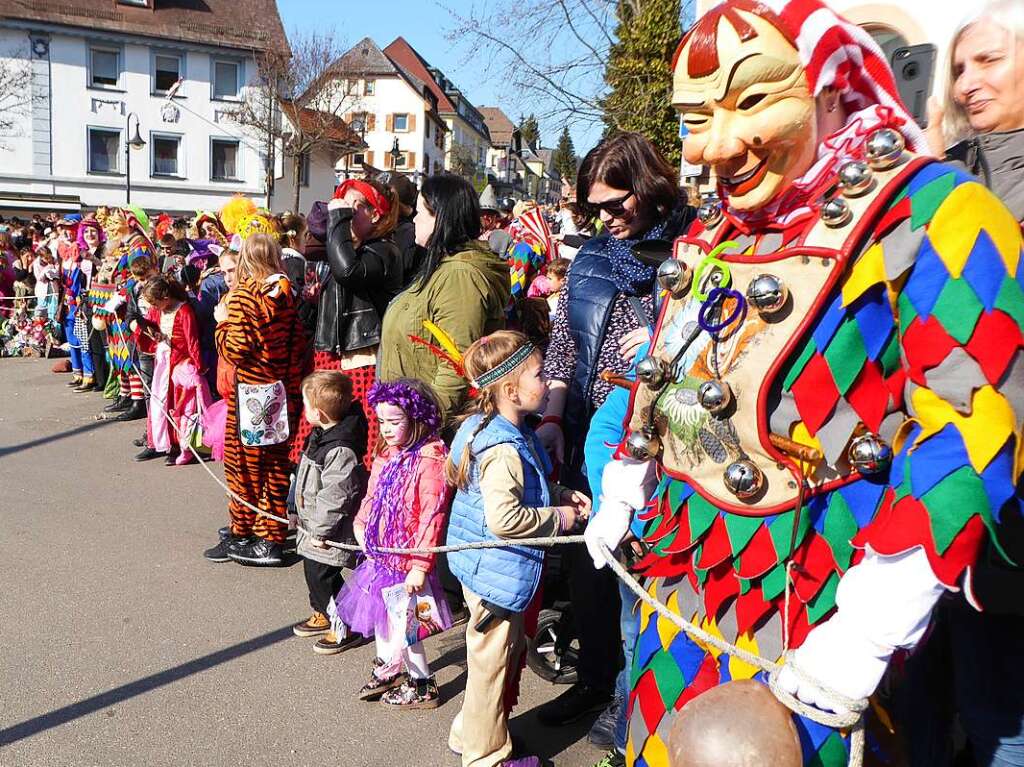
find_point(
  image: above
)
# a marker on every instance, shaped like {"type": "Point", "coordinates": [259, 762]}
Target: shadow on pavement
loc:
{"type": "Point", "coordinates": [61, 716]}
{"type": "Point", "coordinates": [53, 437]}
{"type": "Point", "coordinates": [549, 742]}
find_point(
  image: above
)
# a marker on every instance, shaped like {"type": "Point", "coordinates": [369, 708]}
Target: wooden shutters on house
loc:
{"type": "Point", "coordinates": [371, 122]}
{"type": "Point", "coordinates": [389, 123]}
{"type": "Point", "coordinates": [411, 123]}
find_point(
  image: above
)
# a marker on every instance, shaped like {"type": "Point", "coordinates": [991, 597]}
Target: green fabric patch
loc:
{"type": "Point", "coordinates": [890, 356]}
{"type": "Point", "coordinates": [846, 355]}
{"type": "Point", "coordinates": [677, 494]}
{"type": "Point", "coordinates": [958, 309]}
{"type": "Point", "coordinates": [774, 582]}
{"type": "Point", "coordinates": [952, 503]}
{"type": "Point", "coordinates": [1011, 299]}
{"type": "Point", "coordinates": [781, 530]}
{"type": "Point", "coordinates": [907, 312]}
{"type": "Point", "coordinates": [701, 516]}
{"type": "Point", "coordinates": [929, 198]}
{"type": "Point", "coordinates": [746, 584]}
{"type": "Point", "coordinates": [832, 753]}
{"type": "Point", "coordinates": [700, 575]}
{"type": "Point", "coordinates": [799, 364]}
{"type": "Point", "coordinates": [741, 529]}
{"type": "Point", "coordinates": [823, 602]}
{"type": "Point", "coordinates": [651, 526]}
{"type": "Point", "coordinates": [840, 527]}
{"type": "Point", "coordinates": [667, 677]}
{"type": "Point", "coordinates": [899, 198]}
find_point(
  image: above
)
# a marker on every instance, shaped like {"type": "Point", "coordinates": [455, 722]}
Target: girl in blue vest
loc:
{"type": "Point", "coordinates": [500, 471]}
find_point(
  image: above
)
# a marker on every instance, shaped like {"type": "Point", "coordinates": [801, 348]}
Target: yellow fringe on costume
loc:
{"type": "Point", "coordinates": [235, 210]}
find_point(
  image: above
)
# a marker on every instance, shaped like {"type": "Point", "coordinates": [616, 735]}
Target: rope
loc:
{"type": "Point", "coordinates": [854, 720]}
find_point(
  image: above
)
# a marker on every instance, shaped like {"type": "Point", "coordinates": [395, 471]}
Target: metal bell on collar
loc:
{"type": "Point", "coordinates": [855, 178]}
{"type": "Point", "coordinates": [870, 454]}
{"type": "Point", "coordinates": [714, 396]}
{"type": "Point", "coordinates": [743, 479]}
{"type": "Point", "coordinates": [651, 371]}
{"type": "Point", "coordinates": [643, 444]}
{"type": "Point", "coordinates": [709, 213]}
{"type": "Point", "coordinates": [767, 293]}
{"type": "Point", "coordinates": [675, 277]}
{"type": "Point", "coordinates": [884, 148]}
{"type": "Point", "coordinates": [836, 213]}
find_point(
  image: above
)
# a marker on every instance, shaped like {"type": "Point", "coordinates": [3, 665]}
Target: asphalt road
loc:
{"type": "Point", "coordinates": [120, 645]}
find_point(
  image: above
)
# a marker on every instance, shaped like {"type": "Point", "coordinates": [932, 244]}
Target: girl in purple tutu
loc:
{"type": "Point", "coordinates": [405, 507]}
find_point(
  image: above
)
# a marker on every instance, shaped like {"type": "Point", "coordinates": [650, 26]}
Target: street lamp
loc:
{"type": "Point", "coordinates": [136, 142]}
{"type": "Point", "coordinates": [395, 154]}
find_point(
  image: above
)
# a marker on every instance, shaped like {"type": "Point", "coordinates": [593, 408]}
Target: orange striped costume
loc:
{"type": "Point", "coordinates": [263, 339]}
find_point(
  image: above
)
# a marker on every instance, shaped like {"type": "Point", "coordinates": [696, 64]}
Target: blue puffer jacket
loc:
{"type": "Point", "coordinates": [506, 577]}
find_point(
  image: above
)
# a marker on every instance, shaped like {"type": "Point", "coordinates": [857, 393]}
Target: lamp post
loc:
{"type": "Point", "coordinates": [395, 154]}
{"type": "Point", "coordinates": [136, 142]}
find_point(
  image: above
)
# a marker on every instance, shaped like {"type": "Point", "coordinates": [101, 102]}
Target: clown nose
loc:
{"type": "Point", "coordinates": [738, 724]}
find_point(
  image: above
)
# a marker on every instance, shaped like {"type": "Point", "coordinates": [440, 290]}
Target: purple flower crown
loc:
{"type": "Point", "coordinates": [412, 402]}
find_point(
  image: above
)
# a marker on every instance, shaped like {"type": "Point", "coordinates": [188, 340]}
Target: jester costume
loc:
{"type": "Point", "coordinates": [530, 249]}
{"type": "Point", "coordinates": [834, 396]}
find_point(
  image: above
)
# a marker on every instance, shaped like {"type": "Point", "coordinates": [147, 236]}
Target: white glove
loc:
{"type": "Point", "coordinates": [114, 303]}
{"type": "Point", "coordinates": [884, 603]}
{"type": "Point", "coordinates": [626, 485]}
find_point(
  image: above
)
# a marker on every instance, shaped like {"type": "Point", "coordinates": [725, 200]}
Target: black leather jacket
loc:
{"type": "Point", "coordinates": [362, 283]}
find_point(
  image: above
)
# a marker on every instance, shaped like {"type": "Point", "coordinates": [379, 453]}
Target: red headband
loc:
{"type": "Point", "coordinates": [378, 201]}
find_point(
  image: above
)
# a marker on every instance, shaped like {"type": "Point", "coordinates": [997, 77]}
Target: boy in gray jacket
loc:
{"type": "Point", "coordinates": [329, 485]}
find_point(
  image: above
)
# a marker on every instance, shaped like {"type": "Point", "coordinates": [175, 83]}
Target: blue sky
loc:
{"type": "Point", "coordinates": [424, 24]}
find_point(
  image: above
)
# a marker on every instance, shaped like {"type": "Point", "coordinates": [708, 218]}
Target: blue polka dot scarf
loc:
{"type": "Point", "coordinates": [630, 275]}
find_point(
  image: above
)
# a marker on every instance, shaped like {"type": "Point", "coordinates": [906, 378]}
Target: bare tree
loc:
{"type": "Point", "coordinates": [298, 105]}
{"type": "Point", "coordinates": [17, 91]}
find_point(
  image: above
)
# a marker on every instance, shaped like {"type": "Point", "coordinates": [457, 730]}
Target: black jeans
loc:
{"type": "Point", "coordinates": [98, 350]}
{"type": "Point", "coordinates": [596, 607]}
{"type": "Point", "coordinates": [323, 581]}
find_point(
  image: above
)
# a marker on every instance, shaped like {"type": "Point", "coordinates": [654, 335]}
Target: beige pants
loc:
{"type": "Point", "coordinates": [480, 731]}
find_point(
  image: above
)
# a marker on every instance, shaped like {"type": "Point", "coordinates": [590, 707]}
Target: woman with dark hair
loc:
{"type": "Point", "coordinates": [364, 272]}
{"type": "Point", "coordinates": [604, 315]}
{"type": "Point", "coordinates": [462, 288]}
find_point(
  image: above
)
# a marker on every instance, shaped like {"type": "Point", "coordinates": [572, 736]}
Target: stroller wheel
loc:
{"type": "Point", "coordinates": [553, 653]}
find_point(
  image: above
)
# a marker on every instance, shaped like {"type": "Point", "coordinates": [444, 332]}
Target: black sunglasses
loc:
{"type": "Point", "coordinates": [614, 208]}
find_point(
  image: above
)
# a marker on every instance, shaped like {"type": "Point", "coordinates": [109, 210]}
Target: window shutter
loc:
{"type": "Point", "coordinates": [387, 161]}
{"type": "Point", "coordinates": [369, 157]}
{"type": "Point", "coordinates": [412, 123]}
{"type": "Point", "coordinates": [411, 160]}
{"type": "Point", "coordinates": [371, 122]}
{"type": "Point", "coordinates": [389, 124]}
{"type": "Point", "coordinates": [348, 118]}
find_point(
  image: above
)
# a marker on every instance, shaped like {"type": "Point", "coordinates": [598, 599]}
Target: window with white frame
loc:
{"type": "Point", "coordinates": [369, 87]}
{"type": "Point", "coordinates": [104, 67]}
{"type": "Point", "coordinates": [400, 160]}
{"type": "Point", "coordinates": [401, 123]}
{"type": "Point", "coordinates": [358, 159]}
{"type": "Point", "coordinates": [104, 150]}
{"type": "Point", "coordinates": [166, 154]}
{"type": "Point", "coordinates": [225, 79]}
{"type": "Point", "coordinates": [224, 156]}
{"type": "Point", "coordinates": [167, 70]}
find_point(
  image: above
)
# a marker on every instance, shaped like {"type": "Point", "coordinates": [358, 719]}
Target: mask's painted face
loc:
{"type": "Point", "coordinates": [753, 119]}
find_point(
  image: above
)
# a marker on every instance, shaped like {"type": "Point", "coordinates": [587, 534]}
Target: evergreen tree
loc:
{"type": "Point", "coordinates": [564, 158]}
{"type": "Point", "coordinates": [639, 73]}
{"type": "Point", "coordinates": [529, 129]}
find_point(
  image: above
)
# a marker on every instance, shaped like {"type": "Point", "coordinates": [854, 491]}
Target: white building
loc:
{"type": "Point", "coordinates": [101, 69]}
{"type": "Point", "coordinates": [388, 107]}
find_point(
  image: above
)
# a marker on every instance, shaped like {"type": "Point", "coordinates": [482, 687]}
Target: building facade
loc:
{"type": "Point", "coordinates": [102, 71]}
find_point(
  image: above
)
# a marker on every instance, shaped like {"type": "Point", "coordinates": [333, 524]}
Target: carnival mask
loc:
{"type": "Point", "coordinates": [744, 97]}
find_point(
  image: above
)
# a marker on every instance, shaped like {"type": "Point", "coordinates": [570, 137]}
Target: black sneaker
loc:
{"type": "Point", "coordinates": [135, 412]}
{"type": "Point", "coordinates": [148, 454]}
{"type": "Point", "coordinates": [258, 552]}
{"type": "Point", "coordinates": [573, 704]}
{"type": "Point", "coordinates": [603, 732]}
{"type": "Point", "coordinates": [224, 532]}
{"type": "Point", "coordinates": [119, 405]}
{"type": "Point", "coordinates": [219, 553]}
{"type": "Point", "coordinates": [172, 457]}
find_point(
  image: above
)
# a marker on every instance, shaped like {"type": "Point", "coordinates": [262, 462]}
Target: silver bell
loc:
{"type": "Point", "coordinates": [884, 148]}
{"type": "Point", "coordinates": [651, 371]}
{"type": "Point", "coordinates": [709, 213]}
{"type": "Point", "coordinates": [767, 293]}
{"type": "Point", "coordinates": [870, 454]}
{"type": "Point", "coordinates": [855, 178]}
{"type": "Point", "coordinates": [674, 276]}
{"type": "Point", "coordinates": [836, 213]}
{"type": "Point", "coordinates": [714, 396]}
{"type": "Point", "coordinates": [643, 445]}
{"type": "Point", "coordinates": [743, 479]}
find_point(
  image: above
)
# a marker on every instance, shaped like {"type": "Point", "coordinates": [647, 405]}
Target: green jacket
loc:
{"type": "Point", "coordinates": [466, 297]}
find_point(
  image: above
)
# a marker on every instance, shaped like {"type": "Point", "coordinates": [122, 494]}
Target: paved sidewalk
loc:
{"type": "Point", "coordinates": [120, 645]}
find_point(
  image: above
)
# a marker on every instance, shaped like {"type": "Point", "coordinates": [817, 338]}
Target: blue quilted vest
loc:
{"type": "Point", "coordinates": [507, 577]}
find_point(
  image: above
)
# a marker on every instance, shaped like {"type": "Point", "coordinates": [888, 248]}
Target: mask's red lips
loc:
{"type": "Point", "coordinates": [737, 186]}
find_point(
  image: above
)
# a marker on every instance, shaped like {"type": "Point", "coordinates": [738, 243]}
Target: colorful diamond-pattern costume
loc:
{"type": "Point", "coordinates": [530, 248]}
{"type": "Point", "coordinates": [919, 341]}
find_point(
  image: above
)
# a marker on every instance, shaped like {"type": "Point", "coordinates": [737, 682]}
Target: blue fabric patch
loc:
{"type": "Point", "coordinates": [935, 459]}
{"type": "Point", "coordinates": [998, 480]}
{"type": "Point", "coordinates": [862, 498]}
{"type": "Point", "coordinates": [927, 279]}
{"type": "Point", "coordinates": [985, 270]}
{"type": "Point", "coordinates": [829, 323]}
{"type": "Point", "coordinates": [687, 655]}
{"type": "Point", "coordinates": [934, 171]}
{"type": "Point", "coordinates": [647, 644]}
{"type": "Point", "coordinates": [874, 320]}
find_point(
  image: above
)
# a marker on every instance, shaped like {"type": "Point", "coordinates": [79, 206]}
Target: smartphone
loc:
{"type": "Point", "coordinates": [914, 67]}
